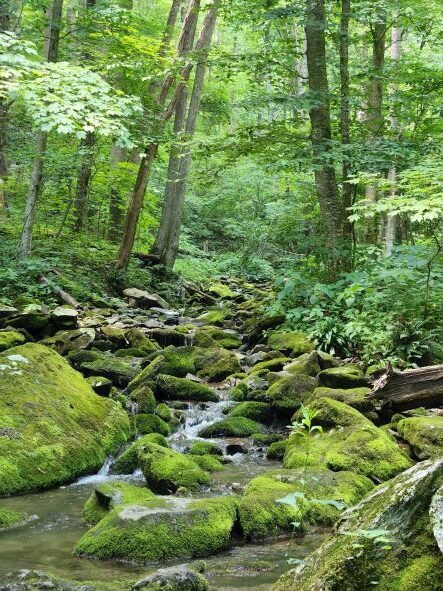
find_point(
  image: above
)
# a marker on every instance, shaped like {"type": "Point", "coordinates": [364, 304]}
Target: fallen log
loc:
{"type": "Point", "coordinates": [60, 293]}
{"type": "Point", "coordinates": [403, 390]}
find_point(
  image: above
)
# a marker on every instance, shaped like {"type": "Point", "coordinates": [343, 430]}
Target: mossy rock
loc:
{"type": "Point", "coordinates": [262, 517]}
{"type": "Point", "coordinates": [178, 361]}
{"type": "Point", "coordinates": [212, 336]}
{"type": "Point", "coordinates": [53, 426]}
{"type": "Point", "coordinates": [424, 435]}
{"type": "Point", "coordinates": [108, 495]}
{"type": "Point", "coordinates": [147, 376]}
{"type": "Point", "coordinates": [345, 376]}
{"type": "Point", "coordinates": [101, 385]}
{"type": "Point", "coordinates": [232, 427]}
{"type": "Point", "coordinates": [65, 341]}
{"type": "Point", "coordinates": [207, 462]}
{"type": "Point", "coordinates": [164, 412]}
{"type": "Point", "coordinates": [290, 343]}
{"type": "Point", "coordinates": [131, 352]}
{"type": "Point", "coordinates": [137, 339]}
{"type": "Point", "coordinates": [286, 394]}
{"type": "Point", "coordinates": [351, 442]}
{"type": "Point", "coordinates": [118, 371]}
{"type": "Point", "coordinates": [355, 397]}
{"type": "Point", "coordinates": [215, 317]}
{"type": "Point", "coordinates": [307, 363]}
{"type": "Point", "coordinates": [176, 578]}
{"type": "Point", "coordinates": [203, 448]}
{"type": "Point", "coordinates": [137, 533]}
{"type": "Point", "coordinates": [222, 291]}
{"type": "Point", "coordinates": [144, 397]}
{"type": "Point", "coordinates": [277, 450]}
{"type": "Point", "coordinates": [270, 364]}
{"type": "Point", "coordinates": [149, 423]}
{"type": "Point", "coordinates": [115, 335]}
{"type": "Point", "coordinates": [265, 439]}
{"type": "Point", "coordinates": [10, 519]}
{"type": "Point", "coordinates": [257, 411]}
{"type": "Point", "coordinates": [349, 559]}
{"type": "Point", "coordinates": [216, 364]}
{"type": "Point", "coordinates": [166, 470]}
{"type": "Point", "coordinates": [33, 317]}
{"type": "Point", "coordinates": [10, 338]}
{"type": "Point", "coordinates": [251, 388]}
{"type": "Point", "coordinates": [173, 388]}
{"type": "Point", "coordinates": [128, 461]}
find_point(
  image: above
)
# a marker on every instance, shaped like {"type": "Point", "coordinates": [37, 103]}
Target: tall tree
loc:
{"type": "Point", "coordinates": [332, 209]}
{"type": "Point", "coordinates": [5, 23]}
{"type": "Point", "coordinates": [168, 235]}
{"type": "Point", "coordinates": [52, 39]}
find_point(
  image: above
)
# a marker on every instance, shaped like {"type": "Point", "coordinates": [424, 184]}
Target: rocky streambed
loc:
{"type": "Point", "coordinates": [136, 439]}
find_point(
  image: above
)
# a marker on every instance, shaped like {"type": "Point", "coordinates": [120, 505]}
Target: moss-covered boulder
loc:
{"type": "Point", "coordinates": [232, 427]}
{"type": "Point", "coordinates": [53, 426]}
{"type": "Point", "coordinates": [385, 541]}
{"type": "Point", "coordinates": [208, 462]}
{"type": "Point", "coordinates": [345, 376]}
{"type": "Point", "coordinates": [203, 448]}
{"type": "Point", "coordinates": [101, 385]}
{"type": "Point", "coordinates": [10, 338]}
{"type": "Point", "coordinates": [275, 364]}
{"type": "Point", "coordinates": [164, 412]}
{"type": "Point", "coordinates": [173, 388]}
{"type": "Point", "coordinates": [137, 339]}
{"type": "Point", "coordinates": [128, 461]}
{"type": "Point", "coordinates": [187, 529]}
{"type": "Point", "coordinates": [144, 399]}
{"type": "Point", "coordinates": [277, 450]}
{"type": "Point", "coordinates": [424, 435]}
{"type": "Point", "coordinates": [257, 411]}
{"type": "Point", "coordinates": [316, 497]}
{"type": "Point", "coordinates": [251, 388]}
{"type": "Point", "coordinates": [212, 336]}
{"type": "Point", "coordinates": [150, 423]}
{"type": "Point", "coordinates": [147, 376]}
{"type": "Point", "coordinates": [355, 397]}
{"type": "Point", "coordinates": [290, 343]}
{"type": "Point", "coordinates": [179, 361]}
{"type": "Point", "coordinates": [166, 470]}
{"type": "Point", "coordinates": [216, 364]}
{"type": "Point", "coordinates": [176, 578]}
{"type": "Point", "coordinates": [108, 495]}
{"type": "Point", "coordinates": [214, 317]}
{"type": "Point", "coordinates": [65, 341]}
{"type": "Point", "coordinates": [307, 363]}
{"type": "Point", "coordinates": [10, 519]}
{"type": "Point", "coordinates": [286, 394]}
{"type": "Point", "coordinates": [115, 369]}
{"type": "Point", "coordinates": [350, 442]}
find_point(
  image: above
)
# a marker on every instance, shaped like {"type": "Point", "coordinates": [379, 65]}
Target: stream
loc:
{"type": "Point", "coordinates": [46, 542]}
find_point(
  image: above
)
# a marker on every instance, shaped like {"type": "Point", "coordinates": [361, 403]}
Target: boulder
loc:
{"type": "Point", "coordinates": [214, 317]}
{"type": "Point", "coordinates": [30, 580]}
{"type": "Point", "coordinates": [137, 339]}
{"type": "Point", "coordinates": [173, 388]}
{"type": "Point", "coordinates": [33, 317]}
{"type": "Point", "coordinates": [312, 497]}
{"type": "Point", "coordinates": [232, 427]}
{"type": "Point", "coordinates": [345, 376]}
{"type": "Point", "coordinates": [355, 397]}
{"type": "Point", "coordinates": [115, 369]}
{"type": "Point", "coordinates": [164, 412]}
{"type": "Point", "coordinates": [290, 343]}
{"type": "Point", "coordinates": [150, 423]}
{"type": "Point", "coordinates": [167, 470]}
{"type": "Point", "coordinates": [350, 442]}
{"type": "Point", "coordinates": [277, 450]}
{"type": "Point", "coordinates": [211, 336]}
{"type": "Point", "coordinates": [10, 519]}
{"type": "Point", "coordinates": [203, 448]}
{"type": "Point", "coordinates": [64, 317]}
{"type": "Point", "coordinates": [147, 376]}
{"type": "Point", "coordinates": [436, 517]}
{"type": "Point", "coordinates": [251, 388]}
{"type": "Point", "coordinates": [144, 400]}
{"type": "Point", "coordinates": [143, 299]}
{"type": "Point", "coordinates": [385, 541]}
{"type": "Point", "coordinates": [10, 338]}
{"type": "Point", "coordinates": [55, 427]}
{"type": "Point", "coordinates": [424, 435]}
{"type": "Point", "coordinates": [128, 461]}
{"type": "Point", "coordinates": [168, 336]}
{"type": "Point", "coordinates": [101, 386]}
{"type": "Point", "coordinates": [275, 364]}
{"type": "Point", "coordinates": [65, 341]}
{"type": "Point", "coordinates": [307, 363]}
{"type": "Point", "coordinates": [178, 529]}
{"type": "Point", "coordinates": [216, 364]}
{"type": "Point", "coordinates": [286, 394]}
{"type": "Point", "coordinates": [257, 411]}
{"type": "Point", "coordinates": [176, 578]}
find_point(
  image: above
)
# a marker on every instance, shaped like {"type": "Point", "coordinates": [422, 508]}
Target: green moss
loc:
{"type": "Point", "coordinates": [215, 317]}
{"type": "Point", "coordinates": [10, 518]}
{"type": "Point", "coordinates": [10, 338]}
{"type": "Point", "coordinates": [148, 423]}
{"type": "Point", "coordinates": [307, 363]}
{"type": "Point", "coordinates": [212, 336]}
{"type": "Point", "coordinates": [257, 411]}
{"type": "Point", "coordinates": [195, 529]}
{"type": "Point", "coordinates": [166, 470]}
{"type": "Point", "coordinates": [262, 517]}
{"type": "Point", "coordinates": [53, 427]}
{"type": "Point", "coordinates": [108, 495]}
{"type": "Point", "coordinates": [291, 343]}
{"type": "Point", "coordinates": [266, 438]}
{"type": "Point", "coordinates": [232, 427]}
{"type": "Point", "coordinates": [222, 291]}
{"type": "Point", "coordinates": [288, 393]}
{"type": "Point", "coordinates": [345, 376]}
{"type": "Point", "coordinates": [100, 385]}
{"type": "Point", "coordinates": [216, 364]}
{"type": "Point", "coordinates": [131, 352]}
{"type": "Point", "coordinates": [355, 397]}
{"type": "Point", "coordinates": [207, 462]}
{"type": "Point", "coordinates": [270, 364]}
{"type": "Point", "coordinates": [145, 399]}
{"type": "Point", "coordinates": [118, 371]}
{"type": "Point", "coordinates": [128, 461]}
{"type": "Point", "coordinates": [147, 376]}
{"type": "Point", "coordinates": [203, 448]}
{"type": "Point", "coordinates": [239, 392]}
{"type": "Point", "coordinates": [173, 388]}
{"type": "Point", "coordinates": [251, 388]}
{"type": "Point", "coordinates": [137, 339]}
{"type": "Point", "coordinates": [422, 574]}
{"type": "Point", "coordinates": [179, 361]}
{"type": "Point", "coordinates": [276, 451]}
{"type": "Point", "coordinates": [424, 434]}
{"type": "Point", "coordinates": [163, 411]}
{"type": "Point", "coordinates": [352, 443]}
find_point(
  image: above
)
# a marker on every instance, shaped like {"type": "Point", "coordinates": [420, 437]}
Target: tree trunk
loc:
{"type": "Point", "coordinates": [116, 206]}
{"type": "Point", "coordinates": [53, 17]}
{"type": "Point", "coordinates": [337, 239]}
{"type": "Point", "coordinates": [5, 22]}
{"type": "Point", "coordinates": [83, 180]}
{"type": "Point", "coordinates": [171, 249]}
{"type": "Point", "coordinates": [345, 102]}
{"type": "Point", "coordinates": [136, 200]}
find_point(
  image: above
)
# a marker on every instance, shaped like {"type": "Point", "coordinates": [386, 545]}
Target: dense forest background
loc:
{"type": "Point", "coordinates": [296, 143]}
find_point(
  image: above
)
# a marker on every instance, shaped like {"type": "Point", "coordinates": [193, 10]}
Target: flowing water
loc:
{"type": "Point", "coordinates": [46, 542]}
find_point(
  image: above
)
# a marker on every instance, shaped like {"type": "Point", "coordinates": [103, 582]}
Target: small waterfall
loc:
{"type": "Point", "coordinates": [101, 476]}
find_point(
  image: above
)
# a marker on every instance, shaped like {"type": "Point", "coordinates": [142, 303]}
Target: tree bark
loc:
{"type": "Point", "coordinates": [53, 17]}
{"type": "Point", "coordinates": [345, 101]}
{"type": "Point", "coordinates": [83, 181]}
{"type": "Point", "coordinates": [116, 206]}
{"type": "Point", "coordinates": [136, 200]}
{"type": "Point", "coordinates": [5, 23]}
{"type": "Point", "coordinates": [337, 238]}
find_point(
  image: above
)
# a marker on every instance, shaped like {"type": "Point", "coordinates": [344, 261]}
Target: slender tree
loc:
{"type": "Point", "coordinates": [5, 23]}
{"type": "Point", "coordinates": [52, 38]}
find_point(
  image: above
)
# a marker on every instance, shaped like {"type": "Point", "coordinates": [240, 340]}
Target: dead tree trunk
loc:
{"type": "Point", "coordinates": [411, 388]}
